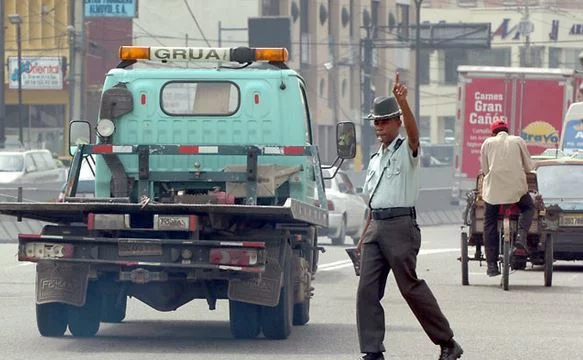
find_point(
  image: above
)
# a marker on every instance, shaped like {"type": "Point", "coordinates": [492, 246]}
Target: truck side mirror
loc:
{"type": "Point", "coordinates": [79, 133]}
{"type": "Point", "coordinates": [346, 140]}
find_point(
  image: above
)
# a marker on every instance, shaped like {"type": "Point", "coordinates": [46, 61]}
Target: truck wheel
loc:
{"type": "Point", "coordinates": [302, 313]}
{"type": "Point", "coordinates": [84, 321]}
{"type": "Point", "coordinates": [111, 310]}
{"type": "Point", "coordinates": [51, 319]}
{"type": "Point", "coordinates": [276, 321]}
{"type": "Point", "coordinates": [244, 319]}
{"type": "Point", "coordinates": [341, 235]}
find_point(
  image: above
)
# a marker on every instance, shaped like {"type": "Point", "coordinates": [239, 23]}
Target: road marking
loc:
{"type": "Point", "coordinates": [347, 263]}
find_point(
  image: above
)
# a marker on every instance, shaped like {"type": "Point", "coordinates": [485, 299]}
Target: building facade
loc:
{"type": "Point", "coordinates": [325, 47]}
{"type": "Point", "coordinates": [47, 33]}
{"type": "Point", "coordinates": [555, 42]}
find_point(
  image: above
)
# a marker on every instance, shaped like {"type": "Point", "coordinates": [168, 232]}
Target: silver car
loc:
{"type": "Point", "coordinates": [347, 209]}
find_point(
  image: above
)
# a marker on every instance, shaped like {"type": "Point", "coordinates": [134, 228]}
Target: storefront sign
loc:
{"type": "Point", "coordinates": [38, 73]}
{"type": "Point", "coordinates": [111, 8]}
{"type": "Point", "coordinates": [504, 30]}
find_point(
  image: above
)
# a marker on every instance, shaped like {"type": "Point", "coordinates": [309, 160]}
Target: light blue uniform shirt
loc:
{"type": "Point", "coordinates": [392, 178]}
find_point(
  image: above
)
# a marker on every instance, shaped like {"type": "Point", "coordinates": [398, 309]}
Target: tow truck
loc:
{"type": "Point", "coordinates": [208, 186]}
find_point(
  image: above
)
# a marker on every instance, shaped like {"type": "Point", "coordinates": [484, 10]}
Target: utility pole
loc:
{"type": "Point", "coordinates": [2, 78]}
{"type": "Point", "coordinates": [18, 22]}
{"type": "Point", "coordinates": [526, 28]}
{"type": "Point", "coordinates": [417, 57]}
{"type": "Point", "coordinates": [367, 98]}
{"type": "Point", "coordinates": [76, 60]}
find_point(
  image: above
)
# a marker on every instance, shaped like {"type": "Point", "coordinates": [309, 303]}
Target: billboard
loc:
{"type": "Point", "coordinates": [539, 117]}
{"type": "Point", "coordinates": [38, 73]}
{"type": "Point", "coordinates": [111, 8]}
{"type": "Point", "coordinates": [486, 100]}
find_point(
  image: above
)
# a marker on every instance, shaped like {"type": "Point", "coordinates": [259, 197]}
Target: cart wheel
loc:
{"type": "Point", "coordinates": [506, 265]}
{"type": "Point", "coordinates": [549, 259]}
{"type": "Point", "coordinates": [464, 259]}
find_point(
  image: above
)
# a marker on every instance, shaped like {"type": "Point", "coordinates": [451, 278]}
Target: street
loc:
{"type": "Point", "coordinates": [528, 322]}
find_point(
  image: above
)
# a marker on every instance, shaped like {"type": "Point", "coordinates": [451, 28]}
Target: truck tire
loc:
{"type": "Point", "coordinates": [341, 234]}
{"type": "Point", "coordinates": [244, 319]}
{"type": "Point", "coordinates": [51, 319]}
{"type": "Point", "coordinates": [276, 321]}
{"type": "Point", "coordinates": [302, 313]}
{"type": "Point", "coordinates": [84, 321]}
{"type": "Point", "coordinates": [113, 311]}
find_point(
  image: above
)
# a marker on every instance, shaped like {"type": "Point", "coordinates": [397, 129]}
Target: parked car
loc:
{"type": "Point", "coordinates": [548, 154]}
{"type": "Point", "coordinates": [560, 182]}
{"type": "Point", "coordinates": [29, 166]}
{"type": "Point", "coordinates": [86, 181]}
{"type": "Point", "coordinates": [347, 209]}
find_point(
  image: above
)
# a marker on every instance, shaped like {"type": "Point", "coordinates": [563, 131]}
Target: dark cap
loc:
{"type": "Point", "coordinates": [384, 107]}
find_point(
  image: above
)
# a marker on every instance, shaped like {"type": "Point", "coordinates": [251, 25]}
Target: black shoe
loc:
{"type": "Point", "coordinates": [492, 269]}
{"type": "Point", "coordinates": [373, 356]}
{"type": "Point", "coordinates": [452, 352]}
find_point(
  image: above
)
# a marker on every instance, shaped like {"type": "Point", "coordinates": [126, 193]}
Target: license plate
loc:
{"type": "Point", "coordinates": [138, 248]}
{"type": "Point", "coordinates": [571, 220]}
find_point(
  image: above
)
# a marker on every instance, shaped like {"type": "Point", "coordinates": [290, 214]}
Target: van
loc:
{"type": "Point", "coordinates": [29, 167]}
{"type": "Point", "coordinates": [572, 135]}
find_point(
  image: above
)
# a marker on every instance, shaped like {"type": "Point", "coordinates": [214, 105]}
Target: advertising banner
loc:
{"type": "Point", "coordinates": [38, 73]}
{"type": "Point", "coordinates": [540, 113]}
{"type": "Point", "coordinates": [486, 100]}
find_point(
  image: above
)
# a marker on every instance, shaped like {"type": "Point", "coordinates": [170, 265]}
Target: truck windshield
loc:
{"type": "Point", "coordinates": [200, 98]}
{"type": "Point", "coordinates": [560, 181]}
{"type": "Point", "coordinates": [11, 162]}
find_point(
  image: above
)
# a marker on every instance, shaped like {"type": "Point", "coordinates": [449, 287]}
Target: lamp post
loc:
{"type": "Point", "coordinates": [417, 57]}
{"type": "Point", "coordinates": [17, 20]}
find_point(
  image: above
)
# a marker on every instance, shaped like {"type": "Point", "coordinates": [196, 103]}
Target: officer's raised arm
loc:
{"type": "Point", "coordinates": [400, 92]}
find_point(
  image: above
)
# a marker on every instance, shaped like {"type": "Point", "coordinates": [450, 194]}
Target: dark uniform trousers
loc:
{"type": "Point", "coordinates": [393, 244]}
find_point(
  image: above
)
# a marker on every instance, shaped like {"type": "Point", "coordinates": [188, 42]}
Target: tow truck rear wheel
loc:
{"type": "Point", "coordinates": [276, 321]}
{"type": "Point", "coordinates": [51, 319]}
{"type": "Point", "coordinates": [112, 310]}
{"type": "Point", "coordinates": [84, 321]}
{"type": "Point", "coordinates": [244, 319]}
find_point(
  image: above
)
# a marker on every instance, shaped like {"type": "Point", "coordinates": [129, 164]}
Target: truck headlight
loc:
{"type": "Point", "coordinates": [105, 127]}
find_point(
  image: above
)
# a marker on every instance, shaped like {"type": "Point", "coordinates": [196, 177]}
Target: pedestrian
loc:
{"type": "Point", "coordinates": [391, 239]}
{"type": "Point", "coordinates": [505, 162]}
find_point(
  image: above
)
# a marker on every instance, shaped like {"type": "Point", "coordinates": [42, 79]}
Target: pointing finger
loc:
{"type": "Point", "coordinates": [397, 78]}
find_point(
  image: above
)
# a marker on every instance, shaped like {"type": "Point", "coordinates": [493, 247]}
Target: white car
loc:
{"type": "Point", "coordinates": [347, 209]}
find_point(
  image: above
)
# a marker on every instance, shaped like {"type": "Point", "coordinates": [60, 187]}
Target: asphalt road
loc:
{"type": "Point", "coordinates": [528, 322]}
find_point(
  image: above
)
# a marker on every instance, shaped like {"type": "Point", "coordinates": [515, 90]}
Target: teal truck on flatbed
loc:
{"type": "Point", "coordinates": [207, 186]}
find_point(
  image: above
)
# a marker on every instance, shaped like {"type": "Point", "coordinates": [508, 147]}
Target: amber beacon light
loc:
{"type": "Point", "coordinates": [239, 54]}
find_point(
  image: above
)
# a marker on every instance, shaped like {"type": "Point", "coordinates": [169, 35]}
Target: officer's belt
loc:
{"type": "Point", "coordinates": [389, 213]}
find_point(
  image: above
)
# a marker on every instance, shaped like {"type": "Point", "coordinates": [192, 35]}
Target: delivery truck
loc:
{"type": "Point", "coordinates": [533, 101]}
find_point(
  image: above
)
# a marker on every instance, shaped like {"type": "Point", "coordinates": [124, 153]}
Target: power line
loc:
{"type": "Point", "coordinates": [196, 22]}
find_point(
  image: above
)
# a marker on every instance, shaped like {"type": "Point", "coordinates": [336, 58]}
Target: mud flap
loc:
{"type": "Point", "coordinates": [265, 290]}
{"type": "Point", "coordinates": [65, 283]}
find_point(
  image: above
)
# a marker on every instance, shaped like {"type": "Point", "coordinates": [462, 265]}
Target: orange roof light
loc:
{"type": "Point", "coordinates": [134, 53]}
{"type": "Point", "coordinates": [239, 54]}
{"type": "Point", "coordinates": [271, 54]}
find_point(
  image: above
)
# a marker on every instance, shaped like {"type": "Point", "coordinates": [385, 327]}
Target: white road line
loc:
{"type": "Point", "coordinates": [332, 264]}
{"type": "Point", "coordinates": [347, 263]}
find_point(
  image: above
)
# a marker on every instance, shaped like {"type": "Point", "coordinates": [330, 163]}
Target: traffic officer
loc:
{"type": "Point", "coordinates": [391, 239]}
